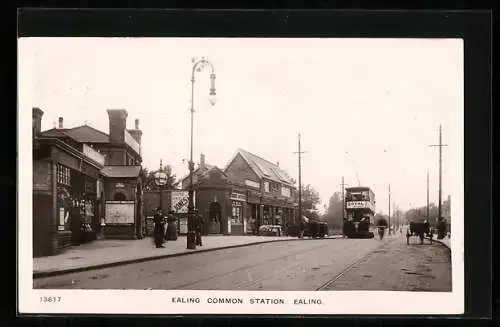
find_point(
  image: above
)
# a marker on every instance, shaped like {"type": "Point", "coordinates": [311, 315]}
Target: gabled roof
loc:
{"type": "Point", "coordinates": [87, 134]}
{"type": "Point", "coordinates": [81, 134]}
{"type": "Point", "coordinates": [55, 132]}
{"type": "Point", "coordinates": [262, 168]}
{"type": "Point", "coordinates": [198, 172]}
{"type": "Point", "coordinates": [121, 171]}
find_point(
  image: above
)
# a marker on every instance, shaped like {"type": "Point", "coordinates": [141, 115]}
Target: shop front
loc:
{"type": "Point", "coordinates": [65, 197]}
{"type": "Point", "coordinates": [77, 206]}
{"type": "Point", "coordinates": [238, 208]}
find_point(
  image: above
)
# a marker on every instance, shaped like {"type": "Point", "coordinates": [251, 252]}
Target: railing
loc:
{"type": "Point", "coordinates": [132, 142]}
{"type": "Point", "coordinates": [93, 154]}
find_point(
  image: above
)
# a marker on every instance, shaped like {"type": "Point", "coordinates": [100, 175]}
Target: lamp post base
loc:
{"type": "Point", "coordinates": [191, 240]}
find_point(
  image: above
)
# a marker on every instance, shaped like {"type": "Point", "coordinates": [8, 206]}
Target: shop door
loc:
{"type": "Point", "coordinates": [214, 226]}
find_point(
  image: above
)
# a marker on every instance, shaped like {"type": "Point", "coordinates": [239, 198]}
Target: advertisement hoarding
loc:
{"type": "Point", "coordinates": [359, 205]}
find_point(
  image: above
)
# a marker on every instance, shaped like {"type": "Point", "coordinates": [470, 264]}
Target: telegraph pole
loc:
{"type": "Point", "coordinates": [343, 207]}
{"type": "Point", "coordinates": [300, 180]}
{"type": "Point", "coordinates": [427, 214]}
{"type": "Point", "coordinates": [395, 212]}
{"type": "Point", "coordinates": [389, 233]}
{"type": "Point", "coordinates": [440, 145]}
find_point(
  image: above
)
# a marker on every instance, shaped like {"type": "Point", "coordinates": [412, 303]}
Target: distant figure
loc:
{"type": "Point", "coordinates": [381, 226]}
{"type": "Point", "coordinates": [302, 227]}
{"type": "Point", "coordinates": [159, 227]}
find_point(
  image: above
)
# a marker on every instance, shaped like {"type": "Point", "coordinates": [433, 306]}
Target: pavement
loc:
{"type": "Point", "coordinates": [108, 253]}
{"type": "Point", "coordinates": [446, 241]}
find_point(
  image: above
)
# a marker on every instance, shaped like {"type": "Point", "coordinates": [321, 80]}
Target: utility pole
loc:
{"type": "Point", "coordinates": [300, 180]}
{"type": "Point", "coordinates": [440, 145]}
{"type": "Point", "coordinates": [343, 206]}
{"type": "Point", "coordinates": [395, 213]}
{"type": "Point", "coordinates": [427, 214]}
{"type": "Point", "coordinates": [389, 233]}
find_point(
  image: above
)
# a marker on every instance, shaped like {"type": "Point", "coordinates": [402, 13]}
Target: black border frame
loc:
{"type": "Point", "coordinates": [474, 26]}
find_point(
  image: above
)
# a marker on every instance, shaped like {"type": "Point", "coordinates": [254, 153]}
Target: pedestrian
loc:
{"type": "Point", "coordinates": [158, 233]}
{"type": "Point", "coordinates": [302, 227]}
{"type": "Point", "coordinates": [199, 226]}
{"type": "Point", "coordinates": [75, 224]}
{"type": "Point", "coordinates": [171, 233]}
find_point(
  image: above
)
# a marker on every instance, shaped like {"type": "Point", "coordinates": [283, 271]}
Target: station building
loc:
{"type": "Point", "coordinates": [248, 192]}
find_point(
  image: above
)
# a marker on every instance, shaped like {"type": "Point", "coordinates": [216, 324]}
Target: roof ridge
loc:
{"type": "Point", "coordinates": [85, 125]}
{"type": "Point", "coordinates": [269, 162]}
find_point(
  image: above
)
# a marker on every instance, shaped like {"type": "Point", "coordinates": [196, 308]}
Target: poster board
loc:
{"type": "Point", "coordinates": [183, 225]}
{"type": "Point", "coordinates": [180, 201]}
{"type": "Point", "coordinates": [120, 212]}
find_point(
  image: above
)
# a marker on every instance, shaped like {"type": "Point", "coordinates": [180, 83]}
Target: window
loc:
{"type": "Point", "coordinates": [237, 215]}
{"type": "Point", "coordinates": [266, 187]}
{"type": "Point", "coordinates": [63, 175]}
{"type": "Point", "coordinates": [119, 196]}
{"type": "Point", "coordinates": [275, 187]}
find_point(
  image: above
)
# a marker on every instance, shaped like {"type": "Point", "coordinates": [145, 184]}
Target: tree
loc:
{"type": "Point", "coordinates": [334, 213]}
{"type": "Point", "coordinates": [420, 213]}
{"type": "Point", "coordinates": [310, 200]}
{"type": "Point", "coordinates": [149, 180]}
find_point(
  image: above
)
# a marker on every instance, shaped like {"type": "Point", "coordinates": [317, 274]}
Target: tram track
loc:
{"type": "Point", "coordinates": [246, 267]}
{"type": "Point", "coordinates": [332, 281]}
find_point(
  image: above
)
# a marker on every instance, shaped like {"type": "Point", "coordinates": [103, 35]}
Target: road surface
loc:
{"type": "Point", "coordinates": [282, 266]}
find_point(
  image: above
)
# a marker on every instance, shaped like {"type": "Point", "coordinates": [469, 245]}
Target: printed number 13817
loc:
{"type": "Point", "coordinates": [50, 299]}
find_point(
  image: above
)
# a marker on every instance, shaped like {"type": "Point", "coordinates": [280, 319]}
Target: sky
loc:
{"type": "Point", "coordinates": [366, 109]}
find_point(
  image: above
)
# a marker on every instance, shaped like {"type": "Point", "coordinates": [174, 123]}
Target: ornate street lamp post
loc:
{"type": "Point", "coordinates": [198, 66]}
{"type": "Point", "coordinates": [161, 180]}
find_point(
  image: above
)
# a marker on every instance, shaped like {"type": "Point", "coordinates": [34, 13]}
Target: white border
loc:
{"type": "Point", "coordinates": [159, 302]}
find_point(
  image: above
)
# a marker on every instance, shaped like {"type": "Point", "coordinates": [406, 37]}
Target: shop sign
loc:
{"type": "Point", "coordinates": [120, 185]}
{"type": "Point", "coordinates": [238, 197]}
{"type": "Point", "coordinates": [252, 183]}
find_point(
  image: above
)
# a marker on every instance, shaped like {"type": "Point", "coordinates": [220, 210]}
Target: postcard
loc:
{"type": "Point", "coordinates": [241, 175]}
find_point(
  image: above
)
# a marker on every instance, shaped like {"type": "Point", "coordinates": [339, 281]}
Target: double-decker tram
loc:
{"type": "Point", "coordinates": [360, 210]}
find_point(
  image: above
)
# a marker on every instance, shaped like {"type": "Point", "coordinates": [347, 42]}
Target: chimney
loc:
{"type": "Point", "coordinates": [37, 121]}
{"type": "Point", "coordinates": [61, 122]}
{"type": "Point", "coordinates": [277, 163]}
{"type": "Point", "coordinates": [136, 133]}
{"type": "Point", "coordinates": [117, 125]}
{"type": "Point", "coordinates": [202, 161]}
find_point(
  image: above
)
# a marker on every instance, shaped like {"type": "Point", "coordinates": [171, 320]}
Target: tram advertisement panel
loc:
{"type": "Point", "coordinates": [359, 205]}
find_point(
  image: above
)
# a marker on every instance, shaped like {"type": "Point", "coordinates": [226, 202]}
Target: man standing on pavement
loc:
{"type": "Point", "coordinates": [199, 226]}
{"type": "Point", "coordinates": [158, 233]}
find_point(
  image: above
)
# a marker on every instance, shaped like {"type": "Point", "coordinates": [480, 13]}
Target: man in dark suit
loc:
{"type": "Point", "coordinates": [159, 230]}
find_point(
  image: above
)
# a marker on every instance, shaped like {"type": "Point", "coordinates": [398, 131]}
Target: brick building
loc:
{"type": "Point", "coordinates": [249, 192]}
{"type": "Point", "coordinates": [262, 193]}
{"type": "Point", "coordinates": [85, 183]}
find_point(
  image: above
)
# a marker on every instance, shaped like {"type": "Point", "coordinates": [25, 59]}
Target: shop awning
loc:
{"type": "Point", "coordinates": [121, 171]}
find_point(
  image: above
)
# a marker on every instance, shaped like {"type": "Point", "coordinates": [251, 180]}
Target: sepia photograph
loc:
{"type": "Point", "coordinates": [241, 175]}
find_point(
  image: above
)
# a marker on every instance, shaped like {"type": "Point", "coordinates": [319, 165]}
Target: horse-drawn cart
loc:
{"type": "Point", "coordinates": [419, 229]}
